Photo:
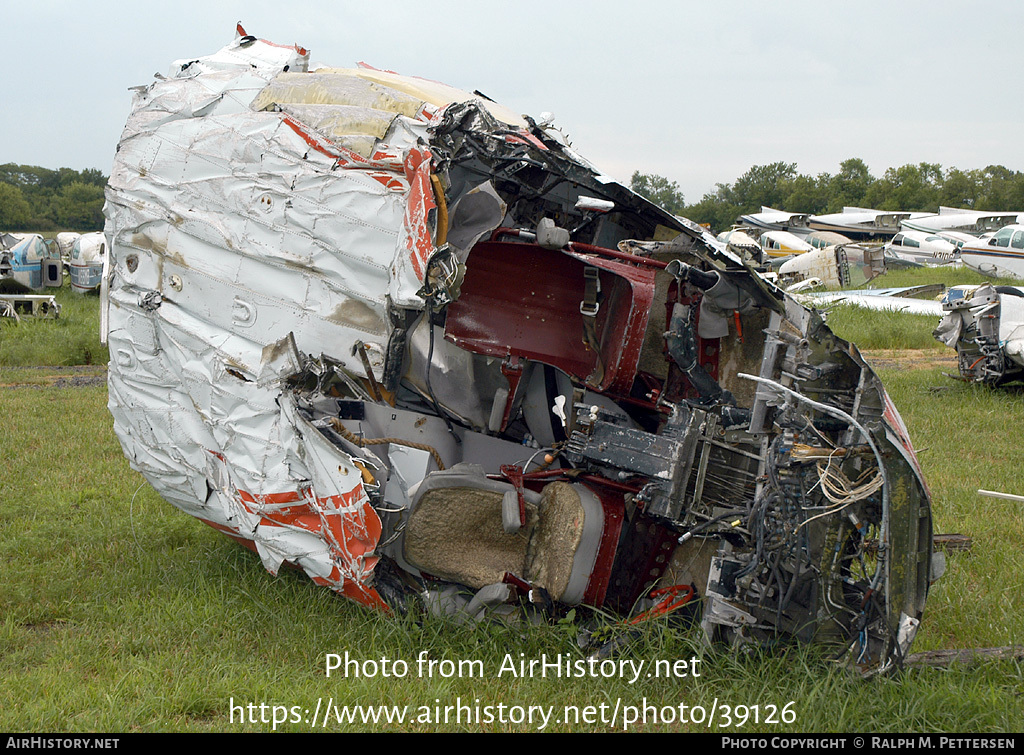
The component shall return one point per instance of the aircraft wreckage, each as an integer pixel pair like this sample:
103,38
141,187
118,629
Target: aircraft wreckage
985,324
406,340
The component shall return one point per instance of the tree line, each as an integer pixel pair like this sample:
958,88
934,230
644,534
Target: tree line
40,199
922,187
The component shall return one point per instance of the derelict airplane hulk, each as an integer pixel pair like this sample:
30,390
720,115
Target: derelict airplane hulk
407,340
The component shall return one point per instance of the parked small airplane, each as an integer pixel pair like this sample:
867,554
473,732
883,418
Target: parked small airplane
65,240
985,324
783,244
974,222
859,222
743,245
86,264
776,220
30,263
1001,255
834,266
922,248
823,239
957,238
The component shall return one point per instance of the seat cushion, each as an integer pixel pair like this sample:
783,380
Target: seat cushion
456,534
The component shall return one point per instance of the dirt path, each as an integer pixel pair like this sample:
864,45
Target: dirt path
911,359
78,376
87,375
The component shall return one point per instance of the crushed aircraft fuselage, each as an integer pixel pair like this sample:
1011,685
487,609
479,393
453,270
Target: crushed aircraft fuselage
985,324
26,260
410,342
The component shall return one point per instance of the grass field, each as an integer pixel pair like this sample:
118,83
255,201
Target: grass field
71,339
119,613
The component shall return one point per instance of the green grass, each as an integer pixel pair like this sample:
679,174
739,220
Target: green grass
71,339
122,614
947,276
969,439
871,329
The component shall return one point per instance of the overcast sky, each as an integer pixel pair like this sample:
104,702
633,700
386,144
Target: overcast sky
695,91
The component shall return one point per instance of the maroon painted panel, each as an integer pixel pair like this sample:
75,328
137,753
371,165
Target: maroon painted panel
614,512
523,300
